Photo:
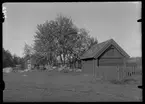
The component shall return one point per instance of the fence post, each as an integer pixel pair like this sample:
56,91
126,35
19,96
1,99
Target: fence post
134,69
118,73
122,73
93,69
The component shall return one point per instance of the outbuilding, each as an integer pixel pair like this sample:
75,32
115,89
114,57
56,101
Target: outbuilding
107,53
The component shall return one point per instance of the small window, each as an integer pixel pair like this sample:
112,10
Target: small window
112,47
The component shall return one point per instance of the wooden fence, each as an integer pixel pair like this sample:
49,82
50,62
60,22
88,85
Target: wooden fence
116,73
126,72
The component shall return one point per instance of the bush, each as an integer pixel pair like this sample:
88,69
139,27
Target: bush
78,70
7,69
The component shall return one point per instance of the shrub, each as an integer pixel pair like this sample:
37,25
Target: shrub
125,81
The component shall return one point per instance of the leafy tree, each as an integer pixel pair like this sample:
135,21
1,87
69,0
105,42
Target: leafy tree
61,38
15,60
83,42
28,50
51,38
10,60
7,59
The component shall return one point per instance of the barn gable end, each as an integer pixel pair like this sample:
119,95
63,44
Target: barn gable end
107,53
111,52
111,57
113,44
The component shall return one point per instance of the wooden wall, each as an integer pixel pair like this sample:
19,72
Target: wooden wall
111,62
87,66
111,57
107,72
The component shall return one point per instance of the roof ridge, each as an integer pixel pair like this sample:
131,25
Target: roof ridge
96,47
106,40
93,48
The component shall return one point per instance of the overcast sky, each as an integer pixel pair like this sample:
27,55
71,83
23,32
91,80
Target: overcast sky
103,20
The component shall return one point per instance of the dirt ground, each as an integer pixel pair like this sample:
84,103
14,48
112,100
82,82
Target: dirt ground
59,87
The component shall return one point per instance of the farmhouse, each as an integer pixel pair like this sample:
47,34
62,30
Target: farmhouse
107,53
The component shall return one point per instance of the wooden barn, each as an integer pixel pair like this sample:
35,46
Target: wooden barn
107,53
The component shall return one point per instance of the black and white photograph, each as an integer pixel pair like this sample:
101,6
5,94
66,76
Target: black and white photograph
72,52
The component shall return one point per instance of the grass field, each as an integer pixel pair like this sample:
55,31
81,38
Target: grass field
66,87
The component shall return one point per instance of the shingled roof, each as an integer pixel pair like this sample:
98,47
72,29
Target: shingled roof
98,48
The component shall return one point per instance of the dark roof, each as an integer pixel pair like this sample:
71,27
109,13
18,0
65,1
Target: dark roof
96,49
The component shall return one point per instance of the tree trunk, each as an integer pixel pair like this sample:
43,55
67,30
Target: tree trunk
61,59
64,58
